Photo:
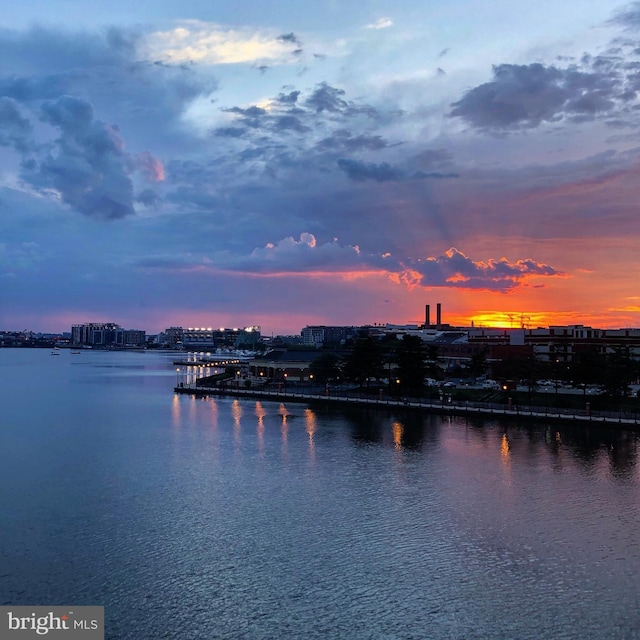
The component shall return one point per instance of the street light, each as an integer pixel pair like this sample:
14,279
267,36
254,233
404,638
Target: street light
177,377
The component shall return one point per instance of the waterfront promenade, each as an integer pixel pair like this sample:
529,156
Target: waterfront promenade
443,406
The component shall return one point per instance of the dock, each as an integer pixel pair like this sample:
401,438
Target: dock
480,409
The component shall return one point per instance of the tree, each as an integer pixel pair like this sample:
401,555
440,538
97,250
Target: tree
519,366
620,372
325,368
433,361
411,359
478,364
365,361
587,367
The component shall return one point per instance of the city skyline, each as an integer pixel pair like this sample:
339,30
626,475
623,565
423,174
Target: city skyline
291,165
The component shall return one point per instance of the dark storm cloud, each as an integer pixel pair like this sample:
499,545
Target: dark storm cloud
290,38
289,123
250,112
15,130
148,198
288,98
104,68
230,132
324,109
384,172
327,98
524,96
69,113
88,165
26,89
344,140
330,100
361,171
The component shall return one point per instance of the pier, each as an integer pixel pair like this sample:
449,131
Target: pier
443,406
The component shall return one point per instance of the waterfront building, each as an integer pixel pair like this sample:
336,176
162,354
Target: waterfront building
204,338
106,335
283,365
171,338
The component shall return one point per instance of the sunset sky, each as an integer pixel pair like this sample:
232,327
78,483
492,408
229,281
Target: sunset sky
281,163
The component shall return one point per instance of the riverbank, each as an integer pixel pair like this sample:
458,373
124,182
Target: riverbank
443,406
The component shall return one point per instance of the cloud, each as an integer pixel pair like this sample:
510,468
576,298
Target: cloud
305,255
151,167
148,198
107,69
211,43
628,17
290,38
327,98
15,130
525,96
296,256
380,23
345,140
88,167
361,171
288,98
384,172
455,269
15,257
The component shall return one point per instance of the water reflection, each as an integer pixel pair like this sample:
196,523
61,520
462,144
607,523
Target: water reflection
284,432
260,414
505,457
310,422
236,413
595,449
213,414
284,414
504,448
397,430
175,411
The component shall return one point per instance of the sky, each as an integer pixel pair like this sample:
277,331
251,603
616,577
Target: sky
281,163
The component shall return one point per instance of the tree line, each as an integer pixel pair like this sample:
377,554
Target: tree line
406,364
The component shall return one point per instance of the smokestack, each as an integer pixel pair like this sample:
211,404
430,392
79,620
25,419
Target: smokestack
427,317
438,315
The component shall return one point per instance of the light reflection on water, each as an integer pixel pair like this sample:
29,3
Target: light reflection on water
224,518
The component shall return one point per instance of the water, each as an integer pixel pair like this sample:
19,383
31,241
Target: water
204,519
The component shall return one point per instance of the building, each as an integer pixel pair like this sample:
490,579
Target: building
171,338
319,335
206,338
282,365
106,335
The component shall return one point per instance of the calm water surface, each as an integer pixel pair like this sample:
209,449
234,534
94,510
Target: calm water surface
204,519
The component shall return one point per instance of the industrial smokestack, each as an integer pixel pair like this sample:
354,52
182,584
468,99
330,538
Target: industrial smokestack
438,315
427,317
